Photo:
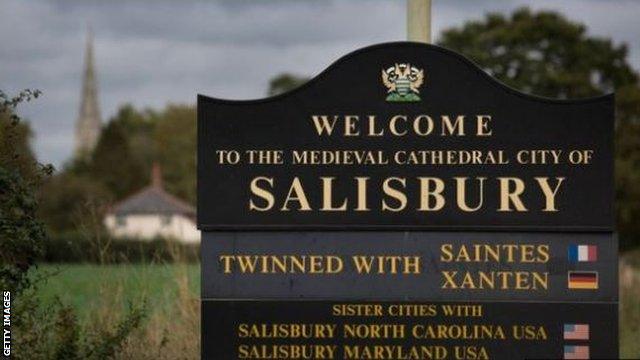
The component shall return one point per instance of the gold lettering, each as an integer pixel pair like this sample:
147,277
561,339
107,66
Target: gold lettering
419,120
323,124
327,191
394,193
448,126
262,193
393,127
510,195
461,192
483,125
550,195
350,125
299,196
427,193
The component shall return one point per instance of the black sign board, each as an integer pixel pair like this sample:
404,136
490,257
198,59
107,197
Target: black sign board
405,177
465,152
408,330
442,266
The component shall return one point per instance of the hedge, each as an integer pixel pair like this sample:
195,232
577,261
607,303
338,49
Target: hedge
77,248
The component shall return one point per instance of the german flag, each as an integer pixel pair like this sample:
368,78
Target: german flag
583,280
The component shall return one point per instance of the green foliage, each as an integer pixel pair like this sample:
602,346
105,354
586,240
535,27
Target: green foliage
67,333
79,248
53,332
114,164
121,163
175,139
15,149
138,127
68,199
15,137
285,82
104,344
21,234
102,294
627,166
41,331
545,54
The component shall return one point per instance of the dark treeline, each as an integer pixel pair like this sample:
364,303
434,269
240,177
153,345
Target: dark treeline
74,200
75,248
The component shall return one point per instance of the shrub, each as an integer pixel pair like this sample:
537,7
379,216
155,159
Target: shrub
41,331
78,248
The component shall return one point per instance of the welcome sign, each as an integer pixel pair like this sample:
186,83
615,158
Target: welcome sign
405,205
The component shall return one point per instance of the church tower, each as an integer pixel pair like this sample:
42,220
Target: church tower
88,124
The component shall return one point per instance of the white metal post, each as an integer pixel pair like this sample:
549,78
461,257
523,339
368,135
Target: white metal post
419,20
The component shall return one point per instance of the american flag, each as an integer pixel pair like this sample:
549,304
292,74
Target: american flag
576,331
576,352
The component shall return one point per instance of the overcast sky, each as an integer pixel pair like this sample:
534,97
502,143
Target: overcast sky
150,53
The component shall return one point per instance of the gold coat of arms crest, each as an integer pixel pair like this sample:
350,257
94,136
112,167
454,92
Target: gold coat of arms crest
403,82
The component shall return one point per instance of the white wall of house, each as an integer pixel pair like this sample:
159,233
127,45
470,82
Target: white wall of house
151,226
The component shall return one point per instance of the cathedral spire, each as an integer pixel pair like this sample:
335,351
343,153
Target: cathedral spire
88,123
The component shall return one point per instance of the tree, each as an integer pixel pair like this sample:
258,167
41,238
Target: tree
139,127
114,164
175,139
41,330
15,146
285,82
67,198
627,166
121,163
545,54
21,234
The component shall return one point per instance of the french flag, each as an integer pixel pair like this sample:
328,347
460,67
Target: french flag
583,253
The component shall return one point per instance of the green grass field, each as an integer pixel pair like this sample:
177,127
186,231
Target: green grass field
89,287
86,286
